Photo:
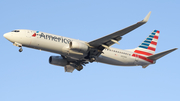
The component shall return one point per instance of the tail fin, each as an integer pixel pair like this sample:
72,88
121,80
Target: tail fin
148,46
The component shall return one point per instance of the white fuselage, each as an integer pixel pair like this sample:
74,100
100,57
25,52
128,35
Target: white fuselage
60,45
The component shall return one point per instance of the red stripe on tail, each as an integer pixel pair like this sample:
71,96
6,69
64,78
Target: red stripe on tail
158,32
141,52
154,43
151,48
156,37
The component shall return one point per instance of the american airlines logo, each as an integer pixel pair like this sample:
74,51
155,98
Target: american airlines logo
52,38
34,35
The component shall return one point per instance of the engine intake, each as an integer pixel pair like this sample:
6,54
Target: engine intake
78,46
58,60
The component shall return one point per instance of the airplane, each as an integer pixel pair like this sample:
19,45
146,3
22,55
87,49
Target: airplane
74,54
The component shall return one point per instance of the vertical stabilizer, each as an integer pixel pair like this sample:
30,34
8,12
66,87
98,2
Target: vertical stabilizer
148,46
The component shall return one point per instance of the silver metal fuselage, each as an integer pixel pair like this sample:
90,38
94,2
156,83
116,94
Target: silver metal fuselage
60,45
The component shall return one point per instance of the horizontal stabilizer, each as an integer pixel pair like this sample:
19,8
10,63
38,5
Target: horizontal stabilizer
159,55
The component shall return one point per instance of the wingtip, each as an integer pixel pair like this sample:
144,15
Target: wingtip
147,17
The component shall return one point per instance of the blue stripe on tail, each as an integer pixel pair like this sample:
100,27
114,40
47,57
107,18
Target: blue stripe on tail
145,44
153,33
147,41
143,47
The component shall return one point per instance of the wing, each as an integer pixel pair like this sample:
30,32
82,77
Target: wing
107,41
99,44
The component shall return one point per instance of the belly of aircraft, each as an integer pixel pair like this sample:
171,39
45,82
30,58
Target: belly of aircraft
116,60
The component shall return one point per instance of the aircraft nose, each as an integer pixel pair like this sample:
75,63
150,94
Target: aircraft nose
5,35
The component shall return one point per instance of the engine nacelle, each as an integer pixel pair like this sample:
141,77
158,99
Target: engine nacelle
78,46
58,60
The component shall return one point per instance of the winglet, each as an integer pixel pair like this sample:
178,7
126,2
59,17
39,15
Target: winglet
147,17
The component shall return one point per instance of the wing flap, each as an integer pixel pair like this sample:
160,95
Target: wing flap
69,68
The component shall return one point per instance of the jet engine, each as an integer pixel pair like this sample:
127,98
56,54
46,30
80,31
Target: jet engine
58,60
78,46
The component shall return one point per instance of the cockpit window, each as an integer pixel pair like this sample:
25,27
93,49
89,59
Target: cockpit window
15,31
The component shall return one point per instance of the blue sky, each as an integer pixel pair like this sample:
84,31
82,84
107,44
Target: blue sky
28,76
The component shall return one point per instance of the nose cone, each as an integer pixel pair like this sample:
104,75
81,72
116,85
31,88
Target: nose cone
6,35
